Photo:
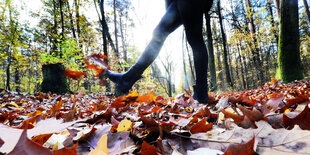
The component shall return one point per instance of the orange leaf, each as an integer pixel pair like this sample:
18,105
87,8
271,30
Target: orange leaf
203,112
66,151
75,75
147,149
241,149
41,139
201,126
253,115
235,117
302,119
296,100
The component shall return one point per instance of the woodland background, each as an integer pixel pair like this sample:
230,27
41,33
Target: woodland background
238,33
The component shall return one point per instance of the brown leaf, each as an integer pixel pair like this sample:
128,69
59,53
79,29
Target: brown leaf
26,146
253,115
303,120
201,126
241,149
41,139
147,149
66,151
272,105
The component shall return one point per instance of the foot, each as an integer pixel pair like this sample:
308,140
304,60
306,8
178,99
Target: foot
201,94
122,81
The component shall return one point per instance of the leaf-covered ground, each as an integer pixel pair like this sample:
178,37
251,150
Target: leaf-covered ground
272,119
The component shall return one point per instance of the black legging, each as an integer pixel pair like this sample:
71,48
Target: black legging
190,14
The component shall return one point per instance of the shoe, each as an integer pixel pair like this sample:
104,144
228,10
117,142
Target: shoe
124,81
201,94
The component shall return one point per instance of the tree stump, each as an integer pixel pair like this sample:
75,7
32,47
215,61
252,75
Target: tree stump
54,79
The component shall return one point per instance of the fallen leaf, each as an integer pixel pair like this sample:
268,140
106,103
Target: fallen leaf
241,149
102,147
26,146
147,149
66,151
303,120
201,126
124,125
41,139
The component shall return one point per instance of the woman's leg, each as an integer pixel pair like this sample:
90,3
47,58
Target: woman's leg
170,21
191,12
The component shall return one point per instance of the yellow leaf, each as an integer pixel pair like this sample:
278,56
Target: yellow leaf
124,125
55,147
102,147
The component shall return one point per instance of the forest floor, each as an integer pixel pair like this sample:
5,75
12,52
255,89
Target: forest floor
272,119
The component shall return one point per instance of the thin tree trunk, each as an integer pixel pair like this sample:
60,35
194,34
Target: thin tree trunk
255,52
190,61
62,19
17,79
104,38
123,40
184,63
77,16
71,20
276,2
226,66
115,29
307,10
54,39
273,25
210,52
241,64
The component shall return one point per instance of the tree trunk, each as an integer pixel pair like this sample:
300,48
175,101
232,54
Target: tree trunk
77,16
54,79
115,29
255,52
307,10
54,39
71,20
123,40
273,25
289,63
184,63
226,66
276,2
17,80
104,33
210,53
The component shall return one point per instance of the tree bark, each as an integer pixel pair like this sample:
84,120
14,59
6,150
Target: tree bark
71,20
255,52
210,53
54,79
115,29
307,10
273,25
277,7
289,62
77,16
226,66
54,39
